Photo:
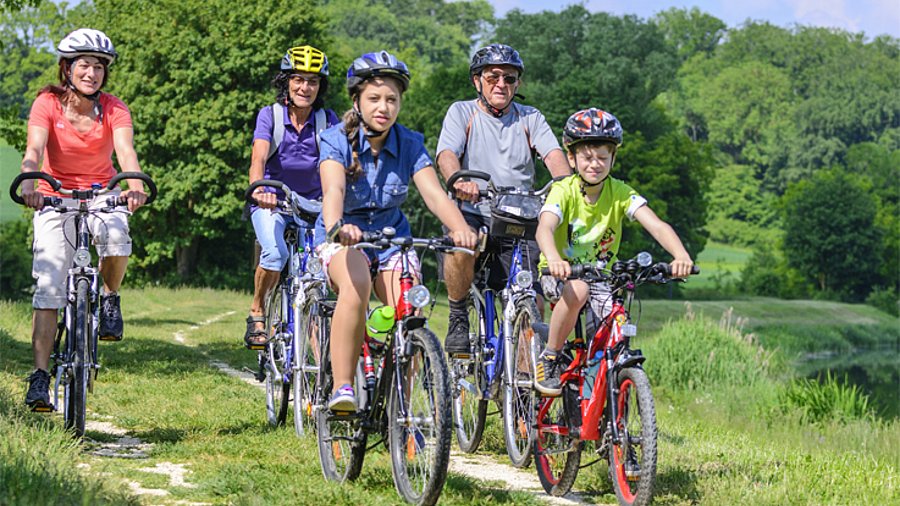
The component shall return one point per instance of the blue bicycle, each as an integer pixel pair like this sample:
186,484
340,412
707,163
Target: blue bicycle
288,364
502,329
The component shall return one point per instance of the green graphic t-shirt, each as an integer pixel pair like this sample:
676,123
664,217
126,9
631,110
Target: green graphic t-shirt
587,231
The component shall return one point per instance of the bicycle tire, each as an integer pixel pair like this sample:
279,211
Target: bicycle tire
420,444
556,457
306,362
341,442
468,383
272,358
79,358
638,433
519,397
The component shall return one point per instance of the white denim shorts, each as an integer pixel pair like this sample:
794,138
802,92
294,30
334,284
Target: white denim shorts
54,246
327,250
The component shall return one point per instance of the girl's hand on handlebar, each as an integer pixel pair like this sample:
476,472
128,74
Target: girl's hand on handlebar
136,198
464,238
466,190
681,267
33,198
559,269
265,200
349,235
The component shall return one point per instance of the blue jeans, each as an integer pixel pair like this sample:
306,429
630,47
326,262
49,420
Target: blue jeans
269,227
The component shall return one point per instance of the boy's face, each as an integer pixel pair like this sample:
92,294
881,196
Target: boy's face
593,161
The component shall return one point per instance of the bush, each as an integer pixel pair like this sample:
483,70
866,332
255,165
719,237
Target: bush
695,353
825,400
885,299
15,259
768,275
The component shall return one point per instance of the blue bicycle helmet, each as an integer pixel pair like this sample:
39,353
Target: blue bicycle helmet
380,64
496,54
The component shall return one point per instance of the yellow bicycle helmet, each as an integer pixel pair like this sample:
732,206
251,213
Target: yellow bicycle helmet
305,59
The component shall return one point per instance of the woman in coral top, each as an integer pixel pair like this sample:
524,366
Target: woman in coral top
72,132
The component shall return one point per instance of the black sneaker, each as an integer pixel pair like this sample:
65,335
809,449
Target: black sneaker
546,374
110,318
457,342
38,396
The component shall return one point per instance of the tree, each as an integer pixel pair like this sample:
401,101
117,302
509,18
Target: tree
690,31
194,74
830,235
740,213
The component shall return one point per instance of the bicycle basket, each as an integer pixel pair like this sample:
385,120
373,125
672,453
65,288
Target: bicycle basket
515,216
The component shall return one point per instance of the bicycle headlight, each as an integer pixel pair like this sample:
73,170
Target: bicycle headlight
644,259
418,296
524,279
314,266
82,257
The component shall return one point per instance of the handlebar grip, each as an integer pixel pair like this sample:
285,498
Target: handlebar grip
271,183
472,174
666,269
371,236
144,178
25,176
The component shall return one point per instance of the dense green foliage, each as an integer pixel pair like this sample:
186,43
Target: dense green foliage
719,122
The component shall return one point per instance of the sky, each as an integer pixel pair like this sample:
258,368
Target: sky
874,17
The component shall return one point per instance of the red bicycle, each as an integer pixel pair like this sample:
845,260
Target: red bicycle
606,396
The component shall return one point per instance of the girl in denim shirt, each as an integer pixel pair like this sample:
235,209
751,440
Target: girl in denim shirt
365,166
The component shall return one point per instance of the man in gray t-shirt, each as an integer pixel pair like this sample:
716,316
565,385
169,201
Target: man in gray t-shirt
492,134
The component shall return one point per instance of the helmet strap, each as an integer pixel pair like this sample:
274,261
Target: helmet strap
487,105
93,97
368,131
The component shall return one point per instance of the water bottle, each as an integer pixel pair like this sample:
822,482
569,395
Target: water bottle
380,323
590,374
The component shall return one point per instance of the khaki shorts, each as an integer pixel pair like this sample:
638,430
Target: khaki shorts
54,246
599,301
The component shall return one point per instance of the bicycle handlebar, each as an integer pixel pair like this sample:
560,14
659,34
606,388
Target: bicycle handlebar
623,270
491,189
306,208
385,239
80,194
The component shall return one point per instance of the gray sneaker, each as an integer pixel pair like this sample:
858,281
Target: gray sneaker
38,395
546,374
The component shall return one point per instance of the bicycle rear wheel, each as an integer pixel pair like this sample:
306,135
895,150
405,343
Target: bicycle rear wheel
556,456
468,384
313,329
78,356
419,421
341,440
272,359
632,460
519,397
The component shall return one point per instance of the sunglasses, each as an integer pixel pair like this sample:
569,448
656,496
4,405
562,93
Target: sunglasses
297,79
493,79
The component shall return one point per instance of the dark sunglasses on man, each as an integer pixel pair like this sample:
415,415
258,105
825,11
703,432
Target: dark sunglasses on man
493,79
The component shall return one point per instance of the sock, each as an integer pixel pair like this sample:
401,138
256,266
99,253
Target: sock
457,305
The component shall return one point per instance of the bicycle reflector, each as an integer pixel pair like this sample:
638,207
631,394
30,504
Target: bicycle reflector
524,279
314,266
82,257
418,296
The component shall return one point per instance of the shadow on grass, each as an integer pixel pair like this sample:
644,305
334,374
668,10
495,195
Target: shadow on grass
680,482
16,355
471,490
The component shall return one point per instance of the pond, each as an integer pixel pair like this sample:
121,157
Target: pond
876,372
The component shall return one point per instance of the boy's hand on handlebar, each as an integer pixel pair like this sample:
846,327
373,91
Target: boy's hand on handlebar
136,198
33,198
265,200
464,238
466,190
349,235
681,268
559,269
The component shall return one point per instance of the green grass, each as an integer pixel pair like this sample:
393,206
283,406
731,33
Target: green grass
10,161
717,446
718,263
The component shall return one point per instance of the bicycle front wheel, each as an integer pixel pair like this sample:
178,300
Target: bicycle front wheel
272,359
519,397
312,328
420,420
557,456
632,459
468,384
342,442
79,359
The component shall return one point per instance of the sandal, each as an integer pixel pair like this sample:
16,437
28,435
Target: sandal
254,338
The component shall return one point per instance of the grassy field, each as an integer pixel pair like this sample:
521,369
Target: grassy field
166,393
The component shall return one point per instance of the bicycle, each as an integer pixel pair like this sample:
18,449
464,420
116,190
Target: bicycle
402,390
504,350
606,395
77,365
286,363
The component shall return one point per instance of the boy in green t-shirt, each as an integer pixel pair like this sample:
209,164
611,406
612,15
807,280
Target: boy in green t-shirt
582,221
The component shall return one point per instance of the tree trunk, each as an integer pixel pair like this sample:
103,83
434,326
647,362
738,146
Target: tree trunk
186,258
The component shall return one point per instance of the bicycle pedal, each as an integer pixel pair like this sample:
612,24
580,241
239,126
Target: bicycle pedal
42,408
256,347
109,339
461,356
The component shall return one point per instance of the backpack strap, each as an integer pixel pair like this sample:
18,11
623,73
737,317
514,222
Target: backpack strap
277,129
321,124
518,118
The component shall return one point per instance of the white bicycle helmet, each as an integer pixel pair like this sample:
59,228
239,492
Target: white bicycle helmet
87,42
